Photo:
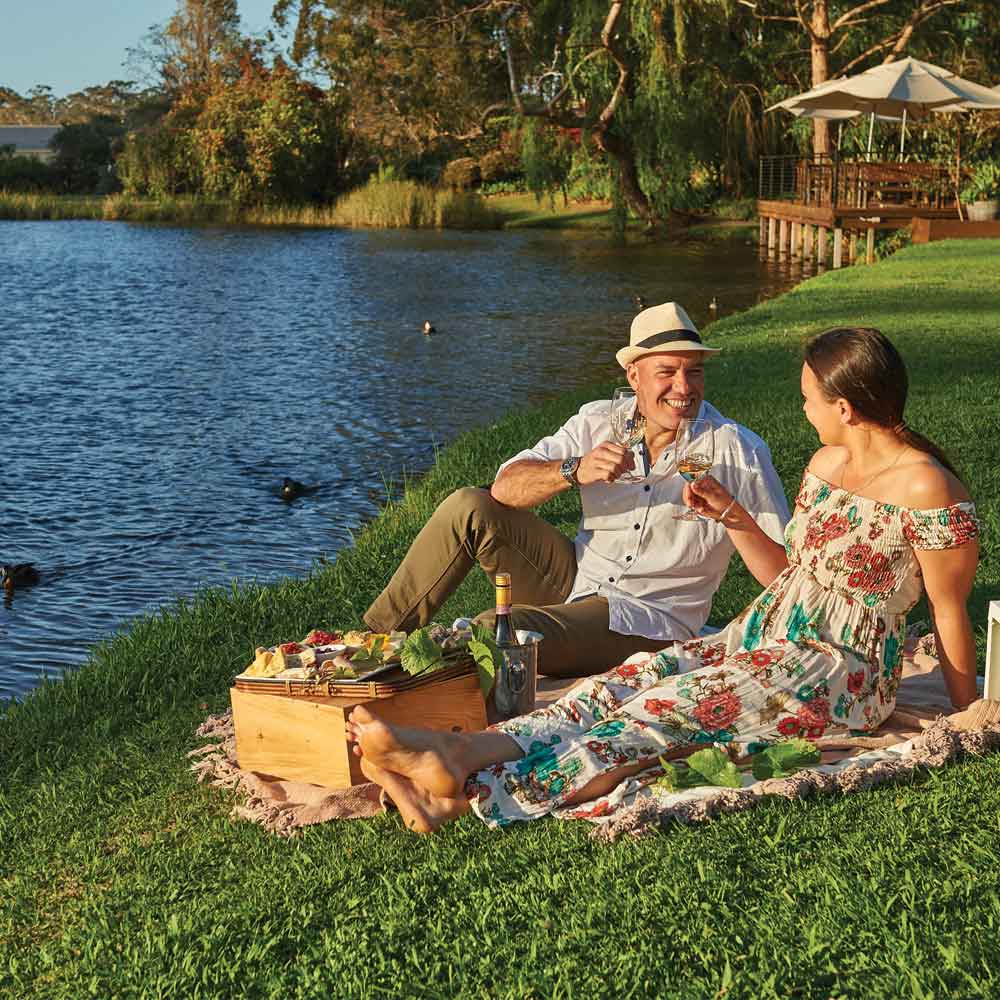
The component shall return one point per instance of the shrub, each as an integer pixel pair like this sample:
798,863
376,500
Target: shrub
497,165
461,174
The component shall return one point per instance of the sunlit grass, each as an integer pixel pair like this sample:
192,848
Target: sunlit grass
121,877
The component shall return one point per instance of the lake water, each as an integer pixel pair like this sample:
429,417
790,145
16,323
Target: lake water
158,383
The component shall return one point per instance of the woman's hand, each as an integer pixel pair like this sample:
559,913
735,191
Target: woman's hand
708,497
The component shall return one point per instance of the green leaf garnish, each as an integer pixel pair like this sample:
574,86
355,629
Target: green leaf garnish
714,768
782,759
483,649
420,652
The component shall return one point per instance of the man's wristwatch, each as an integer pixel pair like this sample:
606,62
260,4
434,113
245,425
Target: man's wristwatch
568,470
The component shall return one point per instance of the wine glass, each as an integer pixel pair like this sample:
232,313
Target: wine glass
694,452
627,425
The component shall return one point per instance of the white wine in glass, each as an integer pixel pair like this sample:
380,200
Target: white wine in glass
627,425
694,450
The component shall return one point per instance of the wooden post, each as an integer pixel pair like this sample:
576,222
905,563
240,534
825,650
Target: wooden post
807,242
771,235
870,247
782,237
762,238
838,247
821,246
796,247
852,248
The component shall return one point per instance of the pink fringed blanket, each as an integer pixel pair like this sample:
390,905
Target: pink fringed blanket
283,807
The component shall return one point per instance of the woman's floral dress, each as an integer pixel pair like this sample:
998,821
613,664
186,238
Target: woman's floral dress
820,647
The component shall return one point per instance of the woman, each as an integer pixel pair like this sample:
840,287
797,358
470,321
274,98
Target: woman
880,513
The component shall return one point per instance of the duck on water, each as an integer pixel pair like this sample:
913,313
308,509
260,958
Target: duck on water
16,575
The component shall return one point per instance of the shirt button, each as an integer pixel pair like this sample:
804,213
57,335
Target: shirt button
636,526
611,579
628,559
646,487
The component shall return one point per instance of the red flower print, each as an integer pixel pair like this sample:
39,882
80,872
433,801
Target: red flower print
659,706
835,526
855,681
761,658
857,555
628,670
713,656
856,579
717,711
814,713
815,732
789,726
878,562
964,528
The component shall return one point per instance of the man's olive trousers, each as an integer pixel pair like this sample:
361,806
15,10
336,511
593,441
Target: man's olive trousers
470,527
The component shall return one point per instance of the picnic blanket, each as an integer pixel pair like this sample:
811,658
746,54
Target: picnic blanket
919,733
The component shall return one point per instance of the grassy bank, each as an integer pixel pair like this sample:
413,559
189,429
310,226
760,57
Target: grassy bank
386,204
119,877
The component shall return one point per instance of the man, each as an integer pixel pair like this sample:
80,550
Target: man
635,576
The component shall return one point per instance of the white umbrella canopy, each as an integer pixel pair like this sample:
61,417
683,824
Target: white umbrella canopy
906,85
905,88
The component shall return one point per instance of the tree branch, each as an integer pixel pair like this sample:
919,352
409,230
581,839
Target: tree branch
842,21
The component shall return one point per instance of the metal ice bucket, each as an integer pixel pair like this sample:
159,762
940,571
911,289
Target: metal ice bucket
514,685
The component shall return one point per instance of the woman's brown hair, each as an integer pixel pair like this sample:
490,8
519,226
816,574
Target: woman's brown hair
861,365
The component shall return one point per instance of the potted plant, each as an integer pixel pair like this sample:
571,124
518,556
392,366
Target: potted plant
982,192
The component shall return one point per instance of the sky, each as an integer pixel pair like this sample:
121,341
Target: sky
70,45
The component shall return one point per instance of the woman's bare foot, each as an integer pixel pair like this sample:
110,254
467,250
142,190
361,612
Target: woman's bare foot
436,761
422,812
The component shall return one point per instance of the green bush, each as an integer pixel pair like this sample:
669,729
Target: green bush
25,173
461,174
983,183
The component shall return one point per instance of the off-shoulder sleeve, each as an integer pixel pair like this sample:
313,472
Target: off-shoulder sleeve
943,528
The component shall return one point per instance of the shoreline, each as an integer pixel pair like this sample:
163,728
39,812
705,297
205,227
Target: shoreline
516,211
123,873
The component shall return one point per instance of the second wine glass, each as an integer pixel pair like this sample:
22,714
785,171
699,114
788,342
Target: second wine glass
694,450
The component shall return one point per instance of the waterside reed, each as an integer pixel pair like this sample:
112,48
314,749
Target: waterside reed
381,204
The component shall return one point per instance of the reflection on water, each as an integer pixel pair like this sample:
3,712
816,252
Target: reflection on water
159,383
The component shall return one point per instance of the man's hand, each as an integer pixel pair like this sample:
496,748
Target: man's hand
605,464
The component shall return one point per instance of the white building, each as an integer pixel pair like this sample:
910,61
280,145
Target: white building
29,140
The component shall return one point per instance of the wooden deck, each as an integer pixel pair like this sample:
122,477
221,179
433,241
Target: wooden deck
806,199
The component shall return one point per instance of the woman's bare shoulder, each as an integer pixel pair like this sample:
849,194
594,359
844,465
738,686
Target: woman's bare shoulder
827,462
925,484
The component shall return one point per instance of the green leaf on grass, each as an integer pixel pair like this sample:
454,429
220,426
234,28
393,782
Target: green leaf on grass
782,759
420,653
484,651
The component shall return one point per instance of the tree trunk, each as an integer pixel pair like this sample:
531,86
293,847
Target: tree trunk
620,150
820,51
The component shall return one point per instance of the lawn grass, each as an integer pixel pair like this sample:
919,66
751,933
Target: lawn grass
120,877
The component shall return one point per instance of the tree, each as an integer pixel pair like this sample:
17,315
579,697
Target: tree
856,31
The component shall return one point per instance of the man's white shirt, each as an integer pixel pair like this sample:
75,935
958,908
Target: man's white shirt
657,573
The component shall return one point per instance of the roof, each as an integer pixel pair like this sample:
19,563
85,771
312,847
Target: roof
27,138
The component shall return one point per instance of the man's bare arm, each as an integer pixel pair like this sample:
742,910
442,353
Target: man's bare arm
530,482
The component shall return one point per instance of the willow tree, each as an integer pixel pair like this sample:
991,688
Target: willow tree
640,79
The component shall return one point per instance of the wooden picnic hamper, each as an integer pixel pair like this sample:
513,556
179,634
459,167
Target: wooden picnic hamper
294,729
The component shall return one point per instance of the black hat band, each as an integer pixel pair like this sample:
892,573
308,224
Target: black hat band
669,337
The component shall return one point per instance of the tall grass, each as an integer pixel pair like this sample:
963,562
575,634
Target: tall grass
384,204
394,204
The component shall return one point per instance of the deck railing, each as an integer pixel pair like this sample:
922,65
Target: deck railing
829,181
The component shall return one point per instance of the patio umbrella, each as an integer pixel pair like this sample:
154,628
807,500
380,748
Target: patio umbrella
901,89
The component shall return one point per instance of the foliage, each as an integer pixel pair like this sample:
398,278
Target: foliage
24,173
264,137
83,162
461,174
983,183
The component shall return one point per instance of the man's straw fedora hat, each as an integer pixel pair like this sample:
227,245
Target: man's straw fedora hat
664,329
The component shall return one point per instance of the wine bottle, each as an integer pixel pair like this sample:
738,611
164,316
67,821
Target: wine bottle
503,633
